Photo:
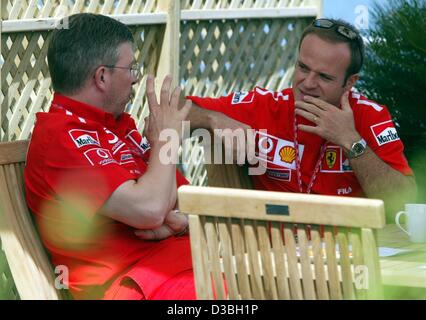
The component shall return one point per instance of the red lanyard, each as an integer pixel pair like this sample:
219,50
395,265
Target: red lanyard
298,165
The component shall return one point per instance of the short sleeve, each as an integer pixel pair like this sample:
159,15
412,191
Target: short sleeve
375,125
239,105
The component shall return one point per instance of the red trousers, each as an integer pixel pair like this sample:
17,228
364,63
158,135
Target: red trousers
180,287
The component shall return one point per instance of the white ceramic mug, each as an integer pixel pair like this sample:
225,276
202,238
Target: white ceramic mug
415,222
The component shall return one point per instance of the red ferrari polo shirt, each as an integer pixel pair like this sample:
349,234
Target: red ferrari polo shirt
274,112
77,157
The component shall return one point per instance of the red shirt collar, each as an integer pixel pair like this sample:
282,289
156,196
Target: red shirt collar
86,111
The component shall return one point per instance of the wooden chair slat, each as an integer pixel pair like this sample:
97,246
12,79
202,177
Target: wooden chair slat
332,267
240,259
251,243
292,260
371,260
305,262
200,259
226,254
345,265
214,258
358,260
319,264
269,282
280,261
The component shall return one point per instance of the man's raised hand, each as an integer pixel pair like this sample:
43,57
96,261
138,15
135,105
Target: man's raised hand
165,113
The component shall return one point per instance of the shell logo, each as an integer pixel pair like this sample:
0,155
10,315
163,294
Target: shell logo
287,154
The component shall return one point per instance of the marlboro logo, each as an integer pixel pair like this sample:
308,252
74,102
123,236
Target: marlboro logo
384,132
83,138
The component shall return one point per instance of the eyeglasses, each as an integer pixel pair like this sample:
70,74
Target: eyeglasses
134,69
340,29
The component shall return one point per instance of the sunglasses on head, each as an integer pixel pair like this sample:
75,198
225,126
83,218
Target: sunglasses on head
342,30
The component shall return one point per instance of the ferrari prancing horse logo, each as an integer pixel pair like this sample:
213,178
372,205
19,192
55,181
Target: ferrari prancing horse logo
330,158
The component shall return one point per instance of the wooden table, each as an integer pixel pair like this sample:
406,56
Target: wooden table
404,269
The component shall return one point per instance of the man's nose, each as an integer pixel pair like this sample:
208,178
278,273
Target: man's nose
310,81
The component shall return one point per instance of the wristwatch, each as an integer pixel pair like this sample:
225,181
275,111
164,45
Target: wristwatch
357,149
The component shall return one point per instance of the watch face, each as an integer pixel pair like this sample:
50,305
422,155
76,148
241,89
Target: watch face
358,148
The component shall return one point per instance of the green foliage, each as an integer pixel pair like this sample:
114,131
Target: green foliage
395,64
395,74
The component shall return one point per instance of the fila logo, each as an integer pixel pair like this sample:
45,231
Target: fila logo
83,138
385,132
344,191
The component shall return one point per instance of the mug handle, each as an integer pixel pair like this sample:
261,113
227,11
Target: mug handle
398,215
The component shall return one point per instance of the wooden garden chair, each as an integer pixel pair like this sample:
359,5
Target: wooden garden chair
274,245
29,264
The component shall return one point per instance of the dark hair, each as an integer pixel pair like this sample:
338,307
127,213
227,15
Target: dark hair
88,41
356,46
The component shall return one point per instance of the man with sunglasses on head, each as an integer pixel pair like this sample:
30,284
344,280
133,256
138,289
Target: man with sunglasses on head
98,189
322,137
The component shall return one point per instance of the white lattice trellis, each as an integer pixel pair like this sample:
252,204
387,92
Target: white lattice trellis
30,9
238,4
219,57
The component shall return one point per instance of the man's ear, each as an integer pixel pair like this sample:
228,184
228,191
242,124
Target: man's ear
350,82
100,78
